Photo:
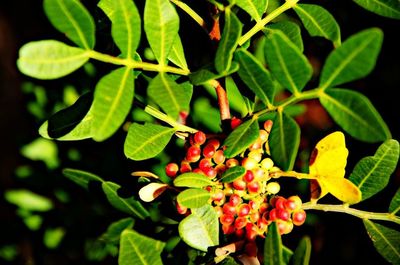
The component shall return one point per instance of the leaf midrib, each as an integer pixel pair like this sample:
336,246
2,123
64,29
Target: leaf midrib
149,140
314,22
383,237
380,160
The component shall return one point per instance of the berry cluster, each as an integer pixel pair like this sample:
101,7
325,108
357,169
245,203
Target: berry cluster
247,205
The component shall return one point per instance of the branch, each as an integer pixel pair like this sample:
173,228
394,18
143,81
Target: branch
223,102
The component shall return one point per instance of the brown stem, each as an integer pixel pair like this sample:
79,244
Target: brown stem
223,102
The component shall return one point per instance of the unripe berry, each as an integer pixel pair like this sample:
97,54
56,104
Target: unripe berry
209,150
171,169
267,163
248,176
240,222
239,184
218,195
249,163
253,187
273,187
218,209
219,157
199,138
293,203
231,162
193,154
226,219
243,210
254,217
263,136
256,155
256,145
284,227
235,200
299,217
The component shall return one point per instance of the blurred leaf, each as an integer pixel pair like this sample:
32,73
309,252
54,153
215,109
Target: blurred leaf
372,173
50,59
170,96
71,18
52,237
146,141
233,173
290,29
127,205
161,24
255,76
241,138
255,8
177,55
200,229
114,230
355,114
302,253
273,246
27,200
235,98
139,249
354,59
82,178
229,40
386,8
33,222
288,65
112,102
8,252
193,180
284,141
206,114
394,207
42,150
125,28
202,76
193,198
286,254
319,22
386,240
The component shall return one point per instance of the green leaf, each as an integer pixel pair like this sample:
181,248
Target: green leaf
193,180
302,253
255,8
319,22
161,24
284,141
255,76
114,230
288,65
204,75
27,200
229,40
200,229
177,55
50,59
71,18
125,27
170,96
372,173
354,59
193,198
386,8
113,97
53,236
241,138
273,246
235,98
42,150
355,114
386,240
232,173
290,29
139,249
127,205
394,206
206,114
146,141
82,178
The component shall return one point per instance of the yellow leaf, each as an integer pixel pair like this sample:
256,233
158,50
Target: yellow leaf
327,164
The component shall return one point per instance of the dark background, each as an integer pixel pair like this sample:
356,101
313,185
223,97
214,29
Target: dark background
337,238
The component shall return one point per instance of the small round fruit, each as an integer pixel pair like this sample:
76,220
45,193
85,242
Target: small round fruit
293,203
273,187
240,222
283,214
239,184
229,209
267,163
171,169
268,125
199,138
299,217
226,219
210,172
209,150
249,163
193,154
243,210
219,157
235,200
235,122
253,187
248,176
231,162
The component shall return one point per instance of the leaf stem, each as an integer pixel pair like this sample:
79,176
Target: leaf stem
134,64
261,24
341,208
223,102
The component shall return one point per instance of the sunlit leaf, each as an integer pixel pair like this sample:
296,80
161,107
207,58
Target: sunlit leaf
50,59
386,8
235,98
169,95
319,22
288,65
273,246
255,8
72,19
193,197
161,24
193,180
28,200
200,229
355,114
146,141
302,253
386,240
113,99
139,249
42,150
394,206
229,40
372,173
52,237
232,173
354,59
284,141
241,138
255,76
330,176
80,177
151,191
177,55
127,205
290,29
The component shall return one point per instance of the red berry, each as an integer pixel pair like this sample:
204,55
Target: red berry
263,207
273,215
283,214
226,219
185,167
209,151
204,163
280,203
251,232
244,209
240,222
293,203
248,176
235,122
198,171
239,184
199,138
235,200
229,209
193,154
214,142
268,125
181,209
171,169
239,233
228,229
221,168
299,217
253,187
210,172
218,195
219,157
231,162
